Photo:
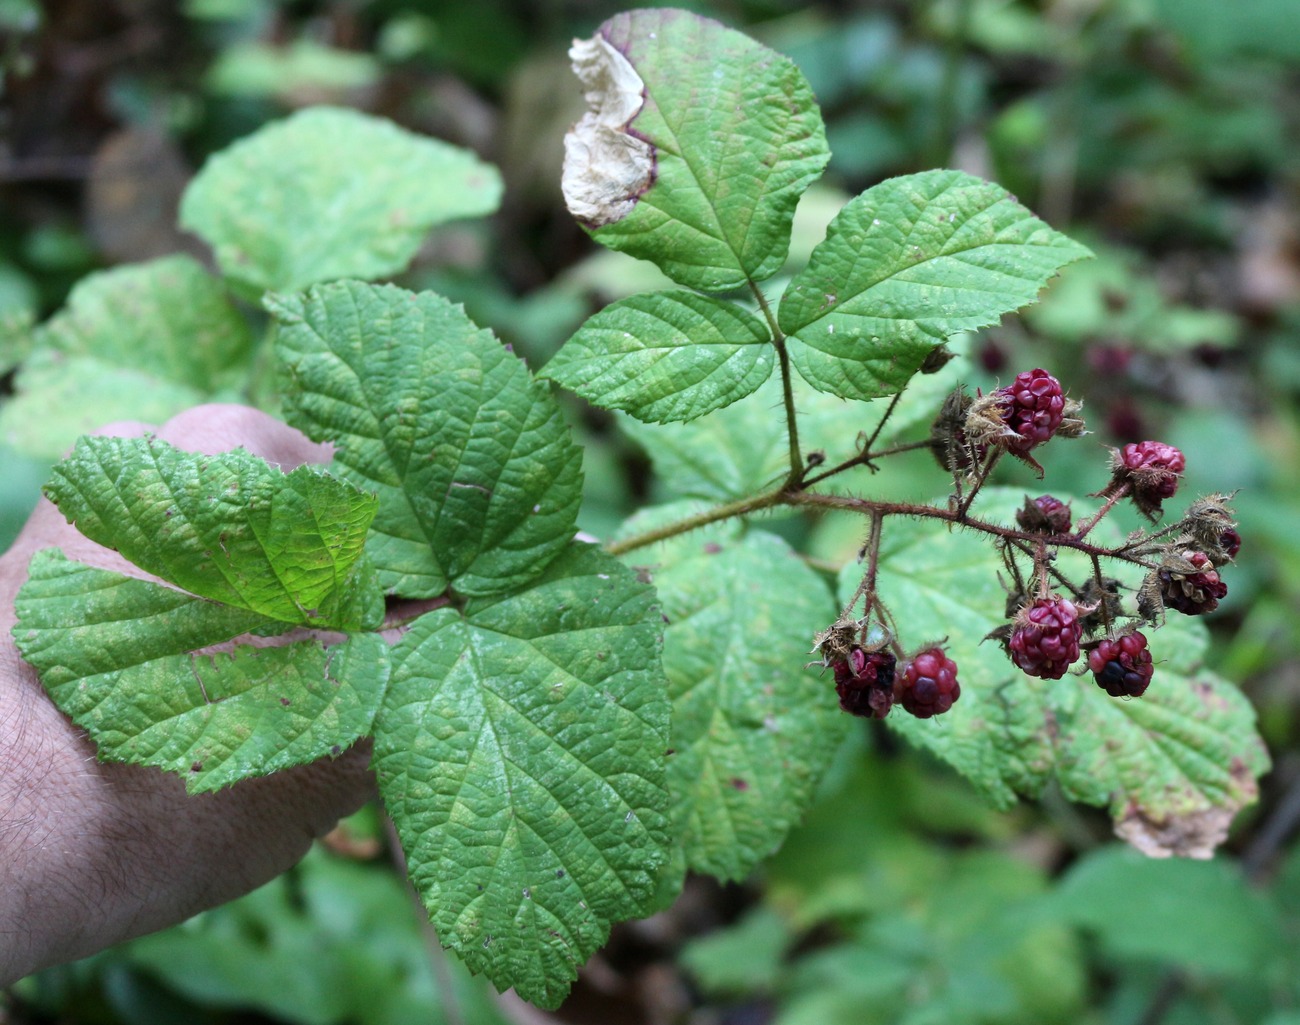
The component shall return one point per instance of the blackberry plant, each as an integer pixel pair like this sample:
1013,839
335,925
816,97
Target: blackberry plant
562,729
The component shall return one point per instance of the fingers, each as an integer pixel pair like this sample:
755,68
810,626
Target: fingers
220,427
210,429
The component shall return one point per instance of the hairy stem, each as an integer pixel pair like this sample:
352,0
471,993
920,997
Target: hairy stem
866,458
985,471
1096,517
787,386
722,512
866,507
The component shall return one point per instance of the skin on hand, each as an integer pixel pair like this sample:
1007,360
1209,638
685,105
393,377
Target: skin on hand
93,853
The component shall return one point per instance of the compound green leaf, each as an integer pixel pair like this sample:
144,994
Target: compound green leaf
330,193
665,356
753,732
697,148
1173,767
140,342
478,479
231,527
906,265
125,659
520,752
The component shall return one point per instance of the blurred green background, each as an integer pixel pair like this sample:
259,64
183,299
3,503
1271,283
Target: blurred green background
1163,133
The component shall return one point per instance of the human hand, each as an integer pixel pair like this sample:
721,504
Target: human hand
93,853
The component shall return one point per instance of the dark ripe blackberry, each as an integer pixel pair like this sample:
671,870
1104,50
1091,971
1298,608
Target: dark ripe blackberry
1190,584
1045,637
1032,406
927,686
865,682
1122,665
1044,515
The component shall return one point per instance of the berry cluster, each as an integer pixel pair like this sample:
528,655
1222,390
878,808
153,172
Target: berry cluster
869,682
1044,638
1054,623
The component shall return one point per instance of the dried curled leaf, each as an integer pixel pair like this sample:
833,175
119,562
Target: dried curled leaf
606,168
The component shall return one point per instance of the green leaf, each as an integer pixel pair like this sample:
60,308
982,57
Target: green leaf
16,327
305,66
743,959
330,193
753,731
123,658
666,356
906,265
520,751
698,145
1173,767
1190,914
140,342
231,528
478,479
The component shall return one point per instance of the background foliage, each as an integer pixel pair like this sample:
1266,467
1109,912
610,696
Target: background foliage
1163,133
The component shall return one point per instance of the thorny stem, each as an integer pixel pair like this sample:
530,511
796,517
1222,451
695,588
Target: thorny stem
740,507
868,585
787,387
985,471
1101,590
1096,517
865,458
873,551
1041,569
1048,568
798,498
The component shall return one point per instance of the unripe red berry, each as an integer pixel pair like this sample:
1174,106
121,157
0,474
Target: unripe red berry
865,682
1150,470
1190,584
1122,665
1044,515
1032,406
1157,465
927,685
1230,542
1045,637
